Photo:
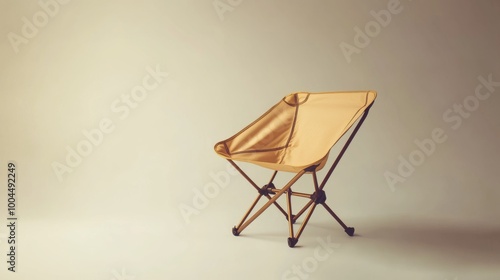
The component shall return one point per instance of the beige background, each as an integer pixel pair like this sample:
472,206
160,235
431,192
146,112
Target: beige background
116,215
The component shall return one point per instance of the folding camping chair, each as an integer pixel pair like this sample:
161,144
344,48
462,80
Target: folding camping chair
296,135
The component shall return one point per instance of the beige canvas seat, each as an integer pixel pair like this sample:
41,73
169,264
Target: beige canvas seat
296,135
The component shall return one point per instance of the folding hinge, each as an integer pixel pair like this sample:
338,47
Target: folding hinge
319,197
267,189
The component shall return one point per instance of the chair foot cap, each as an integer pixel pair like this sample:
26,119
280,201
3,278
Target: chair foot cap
349,231
292,242
235,231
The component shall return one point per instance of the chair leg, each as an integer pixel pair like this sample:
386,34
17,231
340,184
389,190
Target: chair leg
262,191
315,199
235,229
302,227
244,224
348,230
318,197
290,215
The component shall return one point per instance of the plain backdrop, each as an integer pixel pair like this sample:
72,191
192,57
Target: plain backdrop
117,212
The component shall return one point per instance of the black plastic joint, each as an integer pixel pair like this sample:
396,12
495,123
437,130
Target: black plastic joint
319,197
267,189
311,168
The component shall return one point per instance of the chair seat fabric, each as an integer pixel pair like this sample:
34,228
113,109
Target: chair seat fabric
297,132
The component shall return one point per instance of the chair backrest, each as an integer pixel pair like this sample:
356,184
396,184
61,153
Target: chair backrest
300,130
